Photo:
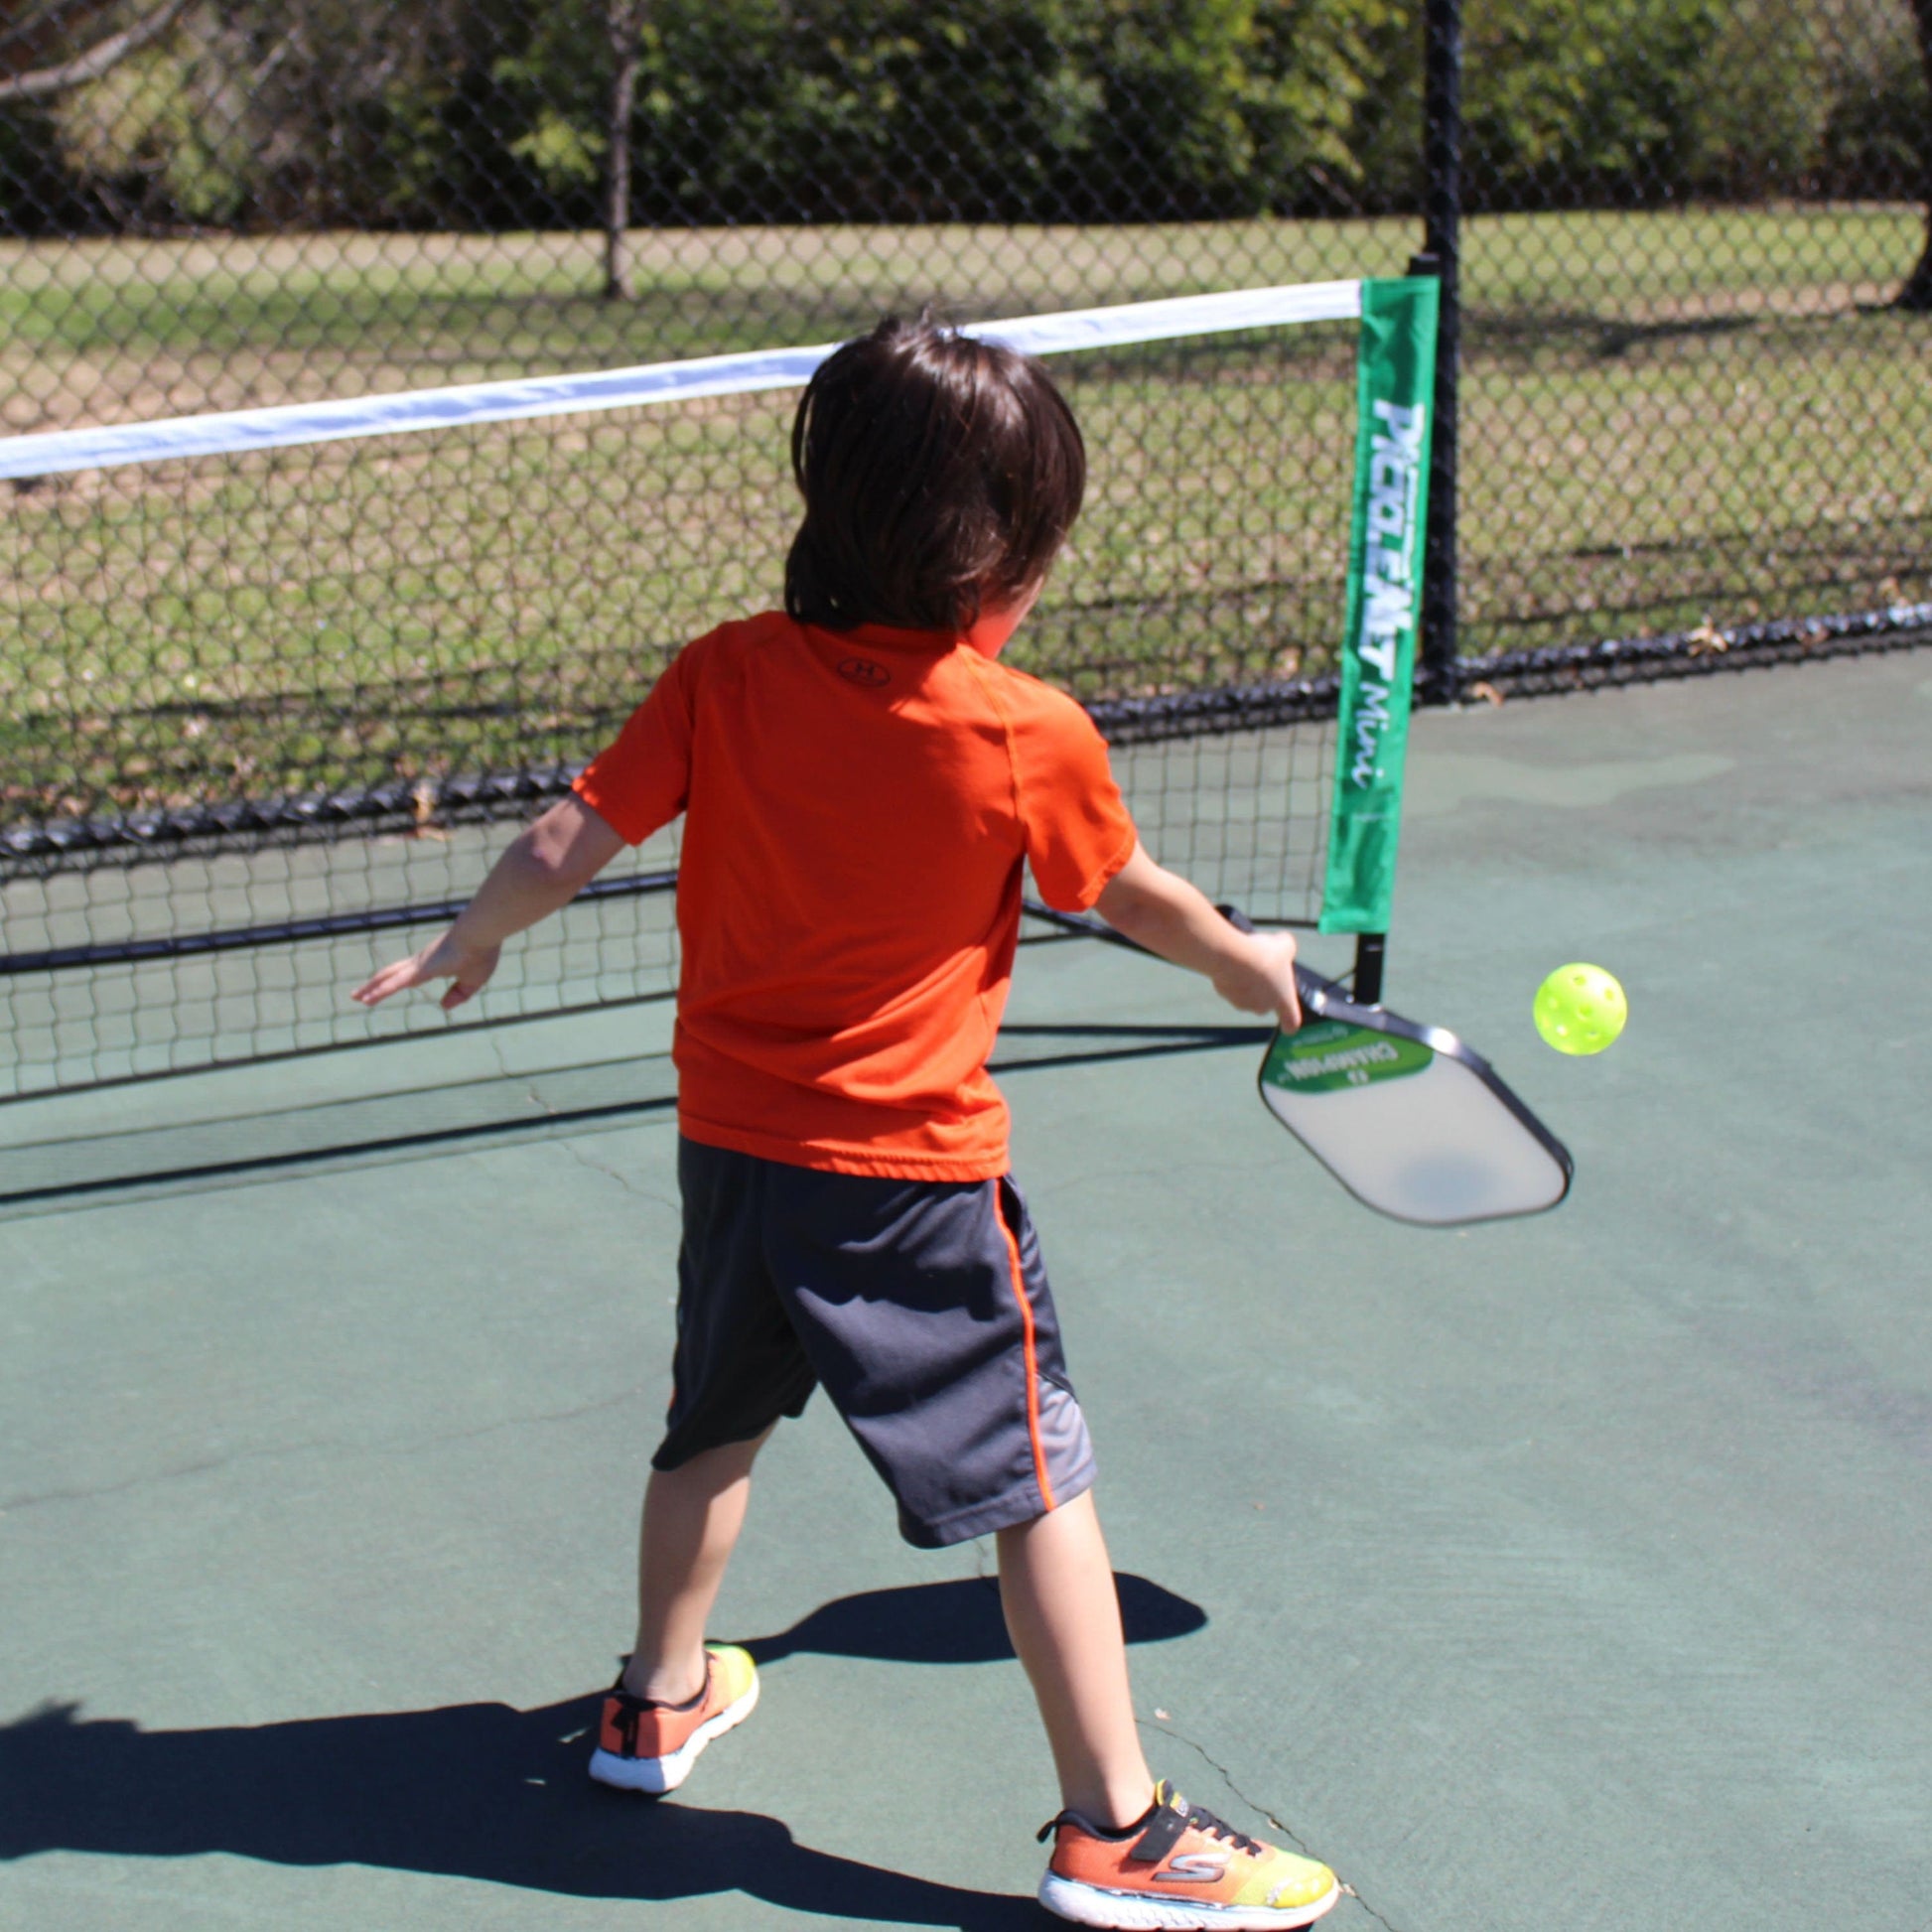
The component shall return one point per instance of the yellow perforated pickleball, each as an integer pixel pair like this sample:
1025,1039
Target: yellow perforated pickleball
1579,1009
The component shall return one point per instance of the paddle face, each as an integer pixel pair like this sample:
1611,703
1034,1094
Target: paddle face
1412,1121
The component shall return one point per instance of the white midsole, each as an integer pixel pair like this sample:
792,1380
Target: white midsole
660,1774
1135,1912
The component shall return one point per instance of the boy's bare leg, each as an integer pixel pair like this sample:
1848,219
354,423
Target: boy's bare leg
692,1517
1063,1614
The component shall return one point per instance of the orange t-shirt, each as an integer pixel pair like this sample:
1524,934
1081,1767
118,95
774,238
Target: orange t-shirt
859,806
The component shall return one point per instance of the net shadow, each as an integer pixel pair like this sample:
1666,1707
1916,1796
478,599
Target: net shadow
422,1121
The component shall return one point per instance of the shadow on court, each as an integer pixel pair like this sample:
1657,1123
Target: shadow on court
486,1792
473,1791
1559,1575
957,1622
422,1122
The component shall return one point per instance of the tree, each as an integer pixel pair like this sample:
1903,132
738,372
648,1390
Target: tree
624,23
43,83
1916,295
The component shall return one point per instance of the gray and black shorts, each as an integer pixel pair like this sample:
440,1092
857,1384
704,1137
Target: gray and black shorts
922,1307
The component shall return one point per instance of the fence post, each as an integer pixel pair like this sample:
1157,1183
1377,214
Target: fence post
1438,673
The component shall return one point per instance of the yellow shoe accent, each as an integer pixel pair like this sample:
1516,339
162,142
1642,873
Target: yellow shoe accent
736,1673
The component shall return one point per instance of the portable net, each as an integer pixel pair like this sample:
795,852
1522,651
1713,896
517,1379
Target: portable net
284,682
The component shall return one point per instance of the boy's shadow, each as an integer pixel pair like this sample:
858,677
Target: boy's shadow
483,1791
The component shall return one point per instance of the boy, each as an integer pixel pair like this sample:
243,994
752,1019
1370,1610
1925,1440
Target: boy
861,782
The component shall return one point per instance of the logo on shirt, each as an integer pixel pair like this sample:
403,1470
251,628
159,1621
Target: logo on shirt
861,670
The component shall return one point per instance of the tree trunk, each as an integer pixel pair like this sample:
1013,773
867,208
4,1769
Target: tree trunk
623,22
98,58
1917,292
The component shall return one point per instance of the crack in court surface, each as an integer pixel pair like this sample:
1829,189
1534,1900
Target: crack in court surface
569,1144
630,1186
397,1446
1275,1821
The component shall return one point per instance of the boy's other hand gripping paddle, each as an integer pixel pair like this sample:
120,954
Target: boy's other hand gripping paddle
1412,1121
1579,1009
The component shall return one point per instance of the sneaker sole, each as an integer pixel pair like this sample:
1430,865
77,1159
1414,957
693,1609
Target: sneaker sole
1135,1912
658,1775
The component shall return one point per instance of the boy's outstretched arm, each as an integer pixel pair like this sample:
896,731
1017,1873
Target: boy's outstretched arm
1161,910
543,871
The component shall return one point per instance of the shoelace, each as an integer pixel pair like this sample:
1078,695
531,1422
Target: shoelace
631,1710
1189,1815
1205,1821
628,1716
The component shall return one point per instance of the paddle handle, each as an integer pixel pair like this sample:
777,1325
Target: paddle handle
1317,992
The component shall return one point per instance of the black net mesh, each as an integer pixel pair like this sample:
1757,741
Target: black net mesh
320,686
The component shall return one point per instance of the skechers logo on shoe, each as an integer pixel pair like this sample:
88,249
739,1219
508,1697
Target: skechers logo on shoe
1193,1869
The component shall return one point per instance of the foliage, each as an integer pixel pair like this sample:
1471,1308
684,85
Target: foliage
1880,121
1757,101
893,109
172,127
1641,100
494,114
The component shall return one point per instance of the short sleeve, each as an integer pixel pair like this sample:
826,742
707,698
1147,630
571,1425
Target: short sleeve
641,783
1078,830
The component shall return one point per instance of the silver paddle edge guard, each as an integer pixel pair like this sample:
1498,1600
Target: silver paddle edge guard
1325,999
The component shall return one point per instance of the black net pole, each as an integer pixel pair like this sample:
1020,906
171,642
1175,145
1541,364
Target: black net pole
1437,678
1365,983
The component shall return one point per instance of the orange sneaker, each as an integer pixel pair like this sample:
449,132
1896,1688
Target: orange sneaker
1178,1866
652,1746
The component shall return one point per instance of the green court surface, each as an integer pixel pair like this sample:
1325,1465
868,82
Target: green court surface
1552,1575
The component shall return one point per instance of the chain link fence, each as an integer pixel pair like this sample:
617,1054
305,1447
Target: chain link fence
1695,390
1696,266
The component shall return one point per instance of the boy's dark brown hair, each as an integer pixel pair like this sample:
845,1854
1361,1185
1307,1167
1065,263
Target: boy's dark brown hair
940,475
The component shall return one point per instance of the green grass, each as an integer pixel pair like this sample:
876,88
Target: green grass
1667,419
343,615
98,319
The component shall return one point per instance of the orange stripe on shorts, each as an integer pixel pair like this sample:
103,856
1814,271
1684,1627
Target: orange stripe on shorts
1033,1359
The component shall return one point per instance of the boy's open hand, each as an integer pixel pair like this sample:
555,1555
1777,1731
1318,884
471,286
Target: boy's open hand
448,958
539,873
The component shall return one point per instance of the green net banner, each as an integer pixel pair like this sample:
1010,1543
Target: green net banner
1396,390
